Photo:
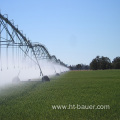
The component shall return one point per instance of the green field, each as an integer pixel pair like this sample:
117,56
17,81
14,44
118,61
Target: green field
34,100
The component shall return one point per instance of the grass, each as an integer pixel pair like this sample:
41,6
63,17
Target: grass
34,100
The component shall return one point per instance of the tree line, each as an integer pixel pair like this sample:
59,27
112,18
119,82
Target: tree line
79,67
99,63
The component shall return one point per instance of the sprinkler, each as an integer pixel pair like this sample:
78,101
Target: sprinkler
19,49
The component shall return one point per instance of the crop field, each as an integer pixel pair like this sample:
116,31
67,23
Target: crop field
75,95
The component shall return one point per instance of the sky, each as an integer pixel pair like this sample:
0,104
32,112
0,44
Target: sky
75,31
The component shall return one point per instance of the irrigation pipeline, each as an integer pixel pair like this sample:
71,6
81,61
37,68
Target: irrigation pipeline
12,37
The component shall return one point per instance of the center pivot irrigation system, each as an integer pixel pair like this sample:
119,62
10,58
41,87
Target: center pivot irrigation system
15,44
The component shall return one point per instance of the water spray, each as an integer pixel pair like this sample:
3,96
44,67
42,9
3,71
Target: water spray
18,47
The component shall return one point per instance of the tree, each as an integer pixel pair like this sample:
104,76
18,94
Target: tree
71,68
116,63
105,63
78,66
100,63
93,65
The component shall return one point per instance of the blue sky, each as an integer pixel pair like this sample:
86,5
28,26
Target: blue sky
75,31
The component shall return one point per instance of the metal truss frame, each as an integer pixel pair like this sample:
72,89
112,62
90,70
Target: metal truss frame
16,40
